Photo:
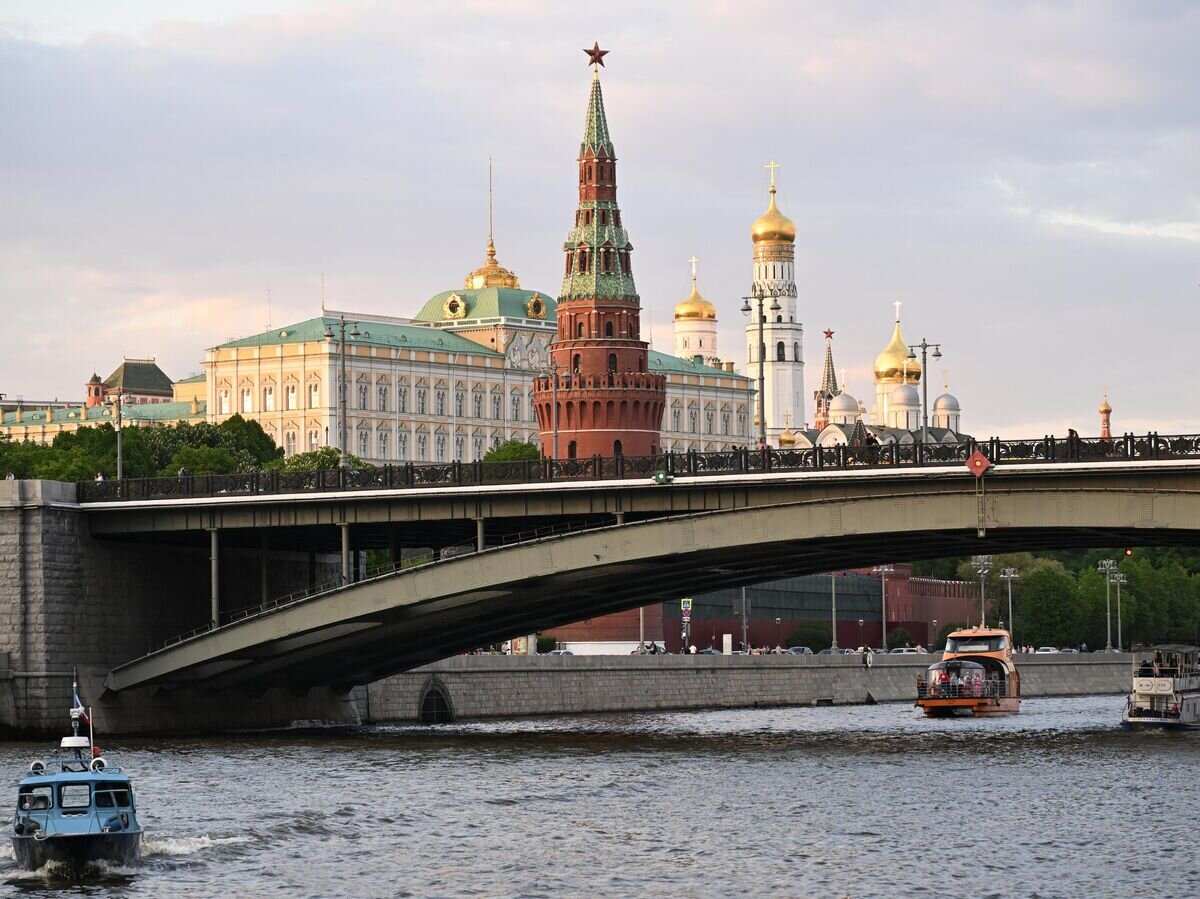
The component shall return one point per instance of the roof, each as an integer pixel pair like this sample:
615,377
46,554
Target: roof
193,379
370,332
489,302
96,415
664,362
139,376
595,125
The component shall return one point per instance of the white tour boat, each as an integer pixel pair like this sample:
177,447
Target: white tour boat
1166,688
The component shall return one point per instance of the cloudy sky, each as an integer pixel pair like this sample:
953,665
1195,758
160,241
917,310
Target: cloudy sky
1023,176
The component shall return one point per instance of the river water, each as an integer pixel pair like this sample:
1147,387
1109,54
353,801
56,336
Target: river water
848,801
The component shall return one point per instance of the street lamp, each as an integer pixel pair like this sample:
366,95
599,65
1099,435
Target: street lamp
935,631
114,402
342,421
778,632
745,622
883,571
1117,578
924,346
860,635
982,564
760,294
1107,567
1010,575
833,608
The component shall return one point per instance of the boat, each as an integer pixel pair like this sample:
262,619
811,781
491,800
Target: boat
75,809
975,676
1166,689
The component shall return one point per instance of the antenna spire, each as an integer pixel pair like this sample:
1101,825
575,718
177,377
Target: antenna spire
489,199
322,293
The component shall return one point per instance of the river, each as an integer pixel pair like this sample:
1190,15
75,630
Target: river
859,801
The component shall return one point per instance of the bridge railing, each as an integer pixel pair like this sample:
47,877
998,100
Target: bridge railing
1049,449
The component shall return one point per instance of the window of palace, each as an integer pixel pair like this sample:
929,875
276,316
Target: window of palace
459,446
314,441
516,407
497,406
381,397
693,420
314,396
477,449
402,399
477,405
676,418
460,402
421,400
382,439
439,402
223,402
290,397
364,443
268,403
364,391
247,400
440,448
402,446
289,443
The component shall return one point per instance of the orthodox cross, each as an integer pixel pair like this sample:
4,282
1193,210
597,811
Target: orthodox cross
772,166
693,261
897,305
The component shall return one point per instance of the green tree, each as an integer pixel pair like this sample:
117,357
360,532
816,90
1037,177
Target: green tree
1051,609
898,637
201,460
512,451
325,458
816,635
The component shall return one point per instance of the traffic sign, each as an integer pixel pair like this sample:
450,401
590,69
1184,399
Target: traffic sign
686,604
686,617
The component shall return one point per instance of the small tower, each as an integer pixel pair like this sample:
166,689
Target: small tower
1105,419
947,413
696,325
893,368
95,391
824,395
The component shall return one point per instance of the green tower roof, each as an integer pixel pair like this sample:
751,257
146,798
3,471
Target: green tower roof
595,126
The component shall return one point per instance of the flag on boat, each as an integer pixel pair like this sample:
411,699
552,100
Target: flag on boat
78,707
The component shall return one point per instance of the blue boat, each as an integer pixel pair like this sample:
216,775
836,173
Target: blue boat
75,809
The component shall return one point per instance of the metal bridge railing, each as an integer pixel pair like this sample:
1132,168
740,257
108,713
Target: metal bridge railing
1049,449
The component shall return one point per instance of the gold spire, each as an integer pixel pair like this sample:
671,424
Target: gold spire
695,306
773,226
893,366
491,273
786,437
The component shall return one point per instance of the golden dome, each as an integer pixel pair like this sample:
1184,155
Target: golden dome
1105,408
773,225
893,365
786,438
491,273
695,306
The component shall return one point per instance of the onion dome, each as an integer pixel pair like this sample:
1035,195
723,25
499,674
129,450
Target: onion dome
695,306
773,226
843,404
786,438
893,365
491,273
947,402
904,395
1105,408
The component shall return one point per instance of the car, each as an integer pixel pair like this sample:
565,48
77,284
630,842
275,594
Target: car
799,651
1045,650
738,652
1070,649
904,651
829,651
560,652
709,652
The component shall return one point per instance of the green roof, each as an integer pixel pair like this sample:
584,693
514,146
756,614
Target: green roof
667,363
488,302
139,376
370,333
595,126
193,379
95,415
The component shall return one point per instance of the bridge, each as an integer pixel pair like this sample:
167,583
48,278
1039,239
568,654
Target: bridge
249,583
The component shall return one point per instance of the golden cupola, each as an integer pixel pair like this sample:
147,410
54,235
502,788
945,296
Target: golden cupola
695,306
773,226
491,273
893,365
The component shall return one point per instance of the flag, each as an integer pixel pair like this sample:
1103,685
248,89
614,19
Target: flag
78,707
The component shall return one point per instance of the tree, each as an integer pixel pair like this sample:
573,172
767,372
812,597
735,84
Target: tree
326,457
1052,609
898,637
513,451
813,634
201,460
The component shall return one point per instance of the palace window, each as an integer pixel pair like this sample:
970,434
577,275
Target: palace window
460,402
421,400
422,447
440,447
693,420
289,397
532,408
708,421
496,441
477,449
725,422
402,446
363,395
477,405
676,418
223,402
741,422
439,402
289,443
314,395
497,406
247,400
382,439
459,446
364,444
381,397
516,407
402,399
268,403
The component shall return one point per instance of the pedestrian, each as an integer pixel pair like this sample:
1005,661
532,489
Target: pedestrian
99,476
10,477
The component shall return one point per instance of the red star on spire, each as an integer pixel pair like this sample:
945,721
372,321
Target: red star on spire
595,55
828,334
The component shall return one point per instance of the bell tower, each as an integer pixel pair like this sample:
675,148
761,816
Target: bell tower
601,399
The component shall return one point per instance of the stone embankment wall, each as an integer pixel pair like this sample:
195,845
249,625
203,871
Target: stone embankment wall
511,686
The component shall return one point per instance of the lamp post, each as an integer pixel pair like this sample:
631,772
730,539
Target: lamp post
1117,578
883,571
760,294
342,420
778,632
833,608
745,623
924,346
554,400
982,564
1107,567
860,635
935,631
115,403
1009,575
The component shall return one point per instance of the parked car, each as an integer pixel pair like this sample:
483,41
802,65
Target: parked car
1069,649
904,651
709,652
829,651
799,651
560,652
1045,650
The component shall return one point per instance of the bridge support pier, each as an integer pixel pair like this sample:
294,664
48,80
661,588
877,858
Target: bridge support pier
345,528
620,517
214,574
262,568
480,535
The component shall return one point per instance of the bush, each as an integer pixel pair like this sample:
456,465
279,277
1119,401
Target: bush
512,451
898,637
545,644
816,635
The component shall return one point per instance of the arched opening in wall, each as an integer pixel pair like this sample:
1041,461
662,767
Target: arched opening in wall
780,352
796,351
435,706
612,362
572,450
579,329
575,360
608,331
616,447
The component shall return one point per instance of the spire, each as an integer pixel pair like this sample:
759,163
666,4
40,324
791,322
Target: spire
829,386
595,126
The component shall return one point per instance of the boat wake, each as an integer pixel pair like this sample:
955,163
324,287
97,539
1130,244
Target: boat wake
175,846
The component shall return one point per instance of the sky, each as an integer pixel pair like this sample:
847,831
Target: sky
1021,176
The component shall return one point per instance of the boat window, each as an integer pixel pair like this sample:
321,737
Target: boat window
74,796
976,644
110,794
35,798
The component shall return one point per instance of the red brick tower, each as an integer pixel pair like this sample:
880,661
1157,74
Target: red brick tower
608,403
